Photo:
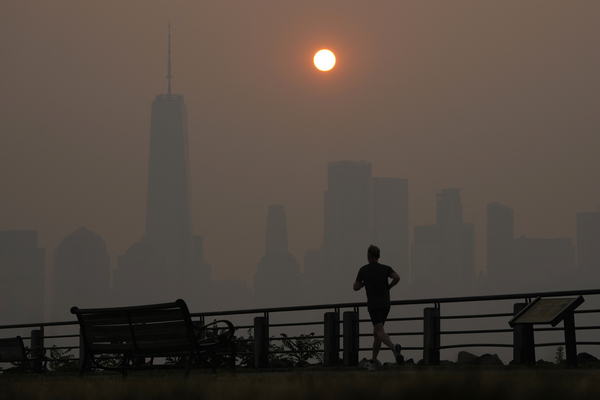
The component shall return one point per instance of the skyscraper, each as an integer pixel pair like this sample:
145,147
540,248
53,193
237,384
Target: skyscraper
443,261
346,233
168,241
81,273
543,264
588,248
456,246
390,225
22,269
500,246
277,281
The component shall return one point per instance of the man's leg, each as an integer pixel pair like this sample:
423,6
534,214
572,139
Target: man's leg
376,346
380,334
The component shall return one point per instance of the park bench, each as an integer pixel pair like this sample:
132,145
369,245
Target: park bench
12,350
121,338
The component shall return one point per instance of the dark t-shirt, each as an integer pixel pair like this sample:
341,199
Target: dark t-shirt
375,278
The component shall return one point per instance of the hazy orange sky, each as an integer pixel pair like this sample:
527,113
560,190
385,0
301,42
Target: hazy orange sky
499,99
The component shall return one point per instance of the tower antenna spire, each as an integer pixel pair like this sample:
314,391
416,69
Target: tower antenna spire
169,76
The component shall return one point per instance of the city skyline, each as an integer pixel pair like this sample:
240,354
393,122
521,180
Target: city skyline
446,98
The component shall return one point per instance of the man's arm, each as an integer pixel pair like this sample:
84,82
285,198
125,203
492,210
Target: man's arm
358,285
395,279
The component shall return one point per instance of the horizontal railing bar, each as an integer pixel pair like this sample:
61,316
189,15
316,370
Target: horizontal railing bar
397,319
296,351
393,334
560,329
298,324
402,334
62,348
39,325
294,337
60,336
384,349
471,332
595,310
476,316
455,346
280,338
563,343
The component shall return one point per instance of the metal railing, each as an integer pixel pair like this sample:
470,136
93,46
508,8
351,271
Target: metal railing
426,328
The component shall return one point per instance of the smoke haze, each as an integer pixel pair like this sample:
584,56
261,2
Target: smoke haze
498,99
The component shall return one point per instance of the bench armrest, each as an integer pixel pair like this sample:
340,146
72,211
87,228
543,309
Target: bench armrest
214,331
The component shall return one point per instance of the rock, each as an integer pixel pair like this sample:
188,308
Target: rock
584,358
410,361
489,359
362,363
464,357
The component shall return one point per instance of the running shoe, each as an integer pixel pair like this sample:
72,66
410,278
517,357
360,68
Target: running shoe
396,349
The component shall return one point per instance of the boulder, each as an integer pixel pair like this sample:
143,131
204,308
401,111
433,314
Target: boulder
464,357
362,363
583,358
542,362
489,359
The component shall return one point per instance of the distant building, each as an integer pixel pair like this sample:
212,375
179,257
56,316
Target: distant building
500,246
390,226
359,210
424,260
588,248
167,262
22,270
443,262
81,273
277,281
346,233
544,264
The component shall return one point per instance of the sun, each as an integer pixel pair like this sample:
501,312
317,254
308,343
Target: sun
324,60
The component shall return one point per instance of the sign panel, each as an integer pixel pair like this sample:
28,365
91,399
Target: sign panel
546,311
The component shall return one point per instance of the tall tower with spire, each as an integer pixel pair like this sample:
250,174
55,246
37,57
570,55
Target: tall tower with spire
168,217
167,263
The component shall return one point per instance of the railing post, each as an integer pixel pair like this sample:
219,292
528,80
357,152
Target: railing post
523,341
351,336
431,336
261,342
570,340
82,355
332,339
37,349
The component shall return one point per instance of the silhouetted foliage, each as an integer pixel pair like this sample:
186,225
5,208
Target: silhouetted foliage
298,351
559,355
62,361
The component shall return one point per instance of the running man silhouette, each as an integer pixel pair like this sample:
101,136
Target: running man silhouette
375,278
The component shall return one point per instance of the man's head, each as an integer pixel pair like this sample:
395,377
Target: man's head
373,253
